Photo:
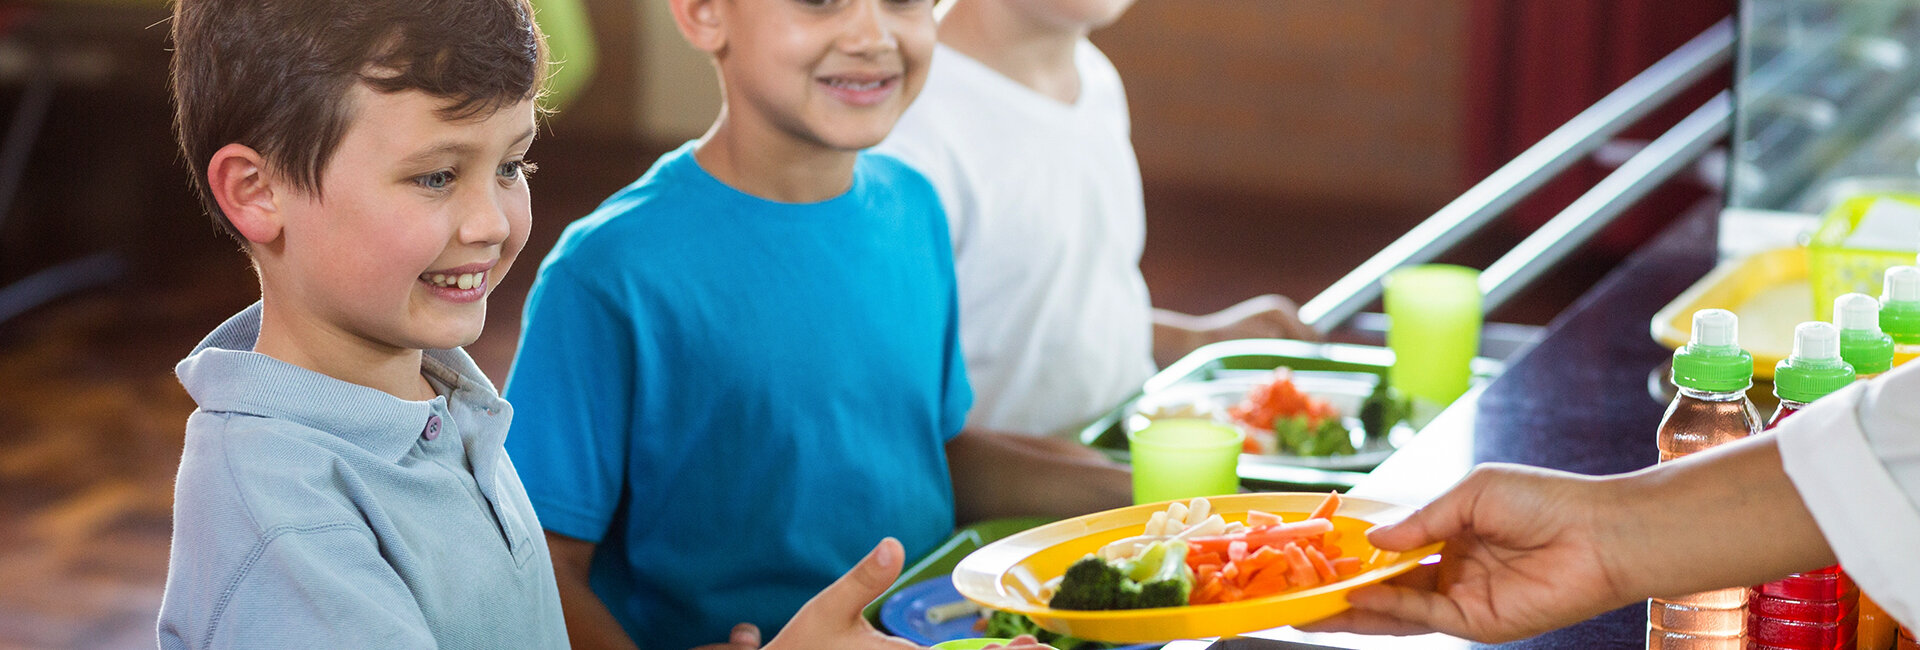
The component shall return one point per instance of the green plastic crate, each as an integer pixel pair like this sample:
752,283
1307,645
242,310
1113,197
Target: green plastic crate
1835,270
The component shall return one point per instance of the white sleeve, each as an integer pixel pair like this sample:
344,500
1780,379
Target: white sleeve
1854,457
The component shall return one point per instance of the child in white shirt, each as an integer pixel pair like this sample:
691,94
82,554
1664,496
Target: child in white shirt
1023,129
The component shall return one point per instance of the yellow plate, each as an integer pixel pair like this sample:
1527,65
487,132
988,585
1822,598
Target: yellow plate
1004,574
1767,290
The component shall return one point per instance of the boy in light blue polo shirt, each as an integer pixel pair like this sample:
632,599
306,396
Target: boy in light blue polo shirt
344,482
744,368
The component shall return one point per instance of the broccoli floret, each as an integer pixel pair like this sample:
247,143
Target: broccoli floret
1090,584
1157,577
1006,625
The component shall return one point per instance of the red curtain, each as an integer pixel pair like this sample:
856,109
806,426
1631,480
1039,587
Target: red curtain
1534,64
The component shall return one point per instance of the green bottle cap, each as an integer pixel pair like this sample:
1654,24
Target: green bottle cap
1862,344
1712,360
1814,369
1900,305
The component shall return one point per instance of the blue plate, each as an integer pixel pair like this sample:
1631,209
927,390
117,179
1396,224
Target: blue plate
905,614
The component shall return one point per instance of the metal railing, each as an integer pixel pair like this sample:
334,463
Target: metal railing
1540,163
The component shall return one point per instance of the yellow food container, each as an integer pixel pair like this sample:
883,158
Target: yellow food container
1007,574
1769,291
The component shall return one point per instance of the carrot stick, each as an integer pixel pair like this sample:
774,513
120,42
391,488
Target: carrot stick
1327,507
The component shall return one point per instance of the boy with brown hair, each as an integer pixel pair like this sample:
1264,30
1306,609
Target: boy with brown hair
343,482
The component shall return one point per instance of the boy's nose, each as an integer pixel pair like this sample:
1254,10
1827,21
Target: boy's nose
485,222
868,31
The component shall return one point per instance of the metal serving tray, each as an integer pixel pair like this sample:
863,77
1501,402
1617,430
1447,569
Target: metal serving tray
1238,358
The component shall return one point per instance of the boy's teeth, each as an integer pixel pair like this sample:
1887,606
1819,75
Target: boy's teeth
854,85
463,281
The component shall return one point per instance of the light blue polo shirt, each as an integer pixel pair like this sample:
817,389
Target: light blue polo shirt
736,398
312,512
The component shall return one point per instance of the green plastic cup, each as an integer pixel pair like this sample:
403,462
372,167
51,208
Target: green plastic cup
1433,328
1182,458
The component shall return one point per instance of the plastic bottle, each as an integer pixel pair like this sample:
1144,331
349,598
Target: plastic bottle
1900,312
1712,374
1870,355
1815,610
1862,344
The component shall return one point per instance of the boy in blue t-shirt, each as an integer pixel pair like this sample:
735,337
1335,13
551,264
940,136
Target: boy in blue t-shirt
742,370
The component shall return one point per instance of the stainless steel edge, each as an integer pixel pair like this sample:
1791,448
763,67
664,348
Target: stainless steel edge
1666,156
1524,174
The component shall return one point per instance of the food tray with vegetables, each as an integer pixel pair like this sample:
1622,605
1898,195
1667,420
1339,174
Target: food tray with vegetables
1316,415
1177,570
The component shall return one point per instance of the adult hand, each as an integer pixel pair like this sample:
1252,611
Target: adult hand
832,618
1528,550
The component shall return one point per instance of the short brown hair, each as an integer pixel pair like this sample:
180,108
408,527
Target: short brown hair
275,74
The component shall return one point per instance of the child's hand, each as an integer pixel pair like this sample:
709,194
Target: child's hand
1268,316
1022,642
1528,551
1260,317
832,618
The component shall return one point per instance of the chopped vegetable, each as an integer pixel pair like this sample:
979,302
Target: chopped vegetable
1157,577
1217,561
1383,409
1008,625
1299,423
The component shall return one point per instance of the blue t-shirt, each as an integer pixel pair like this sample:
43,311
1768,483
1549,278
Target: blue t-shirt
737,398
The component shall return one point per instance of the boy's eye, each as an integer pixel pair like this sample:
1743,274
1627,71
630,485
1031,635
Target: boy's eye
514,169
435,181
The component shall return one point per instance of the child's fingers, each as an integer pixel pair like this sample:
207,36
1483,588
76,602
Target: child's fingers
745,635
865,582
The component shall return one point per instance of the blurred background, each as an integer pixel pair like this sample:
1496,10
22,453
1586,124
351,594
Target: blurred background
1281,142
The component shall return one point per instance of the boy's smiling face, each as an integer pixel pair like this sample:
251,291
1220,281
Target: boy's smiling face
831,73
417,220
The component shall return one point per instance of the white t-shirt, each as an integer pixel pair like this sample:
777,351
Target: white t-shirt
1854,456
1043,202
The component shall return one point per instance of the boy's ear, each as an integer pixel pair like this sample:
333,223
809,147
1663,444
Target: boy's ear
700,21
242,185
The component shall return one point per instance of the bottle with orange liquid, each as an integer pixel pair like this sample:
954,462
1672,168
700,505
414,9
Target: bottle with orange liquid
1712,374
1815,610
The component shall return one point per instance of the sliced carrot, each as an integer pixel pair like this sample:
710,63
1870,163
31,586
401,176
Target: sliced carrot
1320,565
1300,569
1327,507
1237,550
1256,518
1197,558
1261,559
1346,566
1230,573
1208,592
1268,581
